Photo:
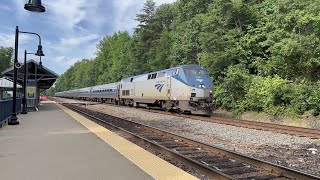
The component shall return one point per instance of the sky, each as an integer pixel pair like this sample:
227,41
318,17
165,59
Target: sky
69,29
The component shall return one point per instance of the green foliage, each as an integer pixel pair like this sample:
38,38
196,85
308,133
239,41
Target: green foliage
268,94
314,99
300,100
113,54
232,89
6,54
241,92
262,55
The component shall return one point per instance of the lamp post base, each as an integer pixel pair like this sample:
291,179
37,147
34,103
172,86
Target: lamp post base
24,111
13,120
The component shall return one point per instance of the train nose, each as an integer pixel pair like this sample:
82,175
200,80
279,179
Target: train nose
199,94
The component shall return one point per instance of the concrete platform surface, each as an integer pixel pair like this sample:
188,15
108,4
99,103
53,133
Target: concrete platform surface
50,144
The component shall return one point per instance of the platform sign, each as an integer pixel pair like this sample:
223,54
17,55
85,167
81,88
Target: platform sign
31,92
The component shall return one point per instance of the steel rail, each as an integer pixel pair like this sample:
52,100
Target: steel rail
279,128
275,171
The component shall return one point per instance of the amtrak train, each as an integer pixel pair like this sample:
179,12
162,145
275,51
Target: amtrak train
187,88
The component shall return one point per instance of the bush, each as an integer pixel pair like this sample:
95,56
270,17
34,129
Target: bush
231,90
239,91
299,98
314,98
270,94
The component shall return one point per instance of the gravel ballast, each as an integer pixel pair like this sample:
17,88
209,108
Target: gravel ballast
291,151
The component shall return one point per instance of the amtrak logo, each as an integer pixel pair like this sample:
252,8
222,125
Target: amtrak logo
200,80
159,87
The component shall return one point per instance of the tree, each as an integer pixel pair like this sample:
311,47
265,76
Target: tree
6,54
249,47
147,34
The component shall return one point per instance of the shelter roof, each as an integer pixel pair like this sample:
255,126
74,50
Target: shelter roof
44,76
6,83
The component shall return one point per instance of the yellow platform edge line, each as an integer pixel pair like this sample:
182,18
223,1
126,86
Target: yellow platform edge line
148,162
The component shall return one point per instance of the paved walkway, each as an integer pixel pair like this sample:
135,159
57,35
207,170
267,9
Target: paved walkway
50,144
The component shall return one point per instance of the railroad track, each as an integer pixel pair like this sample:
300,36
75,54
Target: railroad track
283,129
213,161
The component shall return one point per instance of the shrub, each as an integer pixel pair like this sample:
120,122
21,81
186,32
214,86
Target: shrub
270,94
302,91
231,90
239,91
314,98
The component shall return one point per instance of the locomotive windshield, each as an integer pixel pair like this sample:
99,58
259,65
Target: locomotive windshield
195,71
197,77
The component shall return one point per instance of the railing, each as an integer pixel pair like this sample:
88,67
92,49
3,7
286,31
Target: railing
6,109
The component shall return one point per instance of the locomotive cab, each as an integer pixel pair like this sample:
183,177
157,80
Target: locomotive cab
199,86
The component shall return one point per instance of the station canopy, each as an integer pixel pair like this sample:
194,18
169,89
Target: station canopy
7,83
45,77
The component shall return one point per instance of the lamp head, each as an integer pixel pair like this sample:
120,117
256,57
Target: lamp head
34,6
39,51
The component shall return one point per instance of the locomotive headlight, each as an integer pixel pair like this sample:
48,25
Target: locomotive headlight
202,86
193,90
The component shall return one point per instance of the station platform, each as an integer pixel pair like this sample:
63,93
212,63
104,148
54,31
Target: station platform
57,143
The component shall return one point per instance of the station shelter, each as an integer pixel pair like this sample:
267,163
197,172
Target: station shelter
39,78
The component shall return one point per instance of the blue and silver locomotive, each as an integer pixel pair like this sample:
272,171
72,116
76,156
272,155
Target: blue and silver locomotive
186,88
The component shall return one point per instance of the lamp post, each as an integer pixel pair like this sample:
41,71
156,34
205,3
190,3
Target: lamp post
24,102
14,119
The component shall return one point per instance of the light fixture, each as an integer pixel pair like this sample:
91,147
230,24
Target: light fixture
34,6
39,51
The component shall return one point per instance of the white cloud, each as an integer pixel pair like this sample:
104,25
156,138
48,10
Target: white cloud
8,40
19,8
82,46
59,64
71,61
78,24
75,41
68,51
71,29
59,59
81,40
126,13
164,1
68,14
67,62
